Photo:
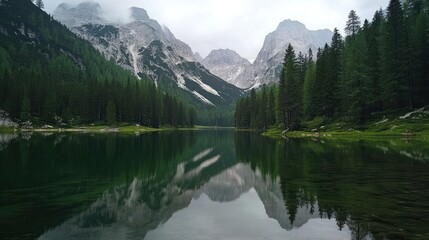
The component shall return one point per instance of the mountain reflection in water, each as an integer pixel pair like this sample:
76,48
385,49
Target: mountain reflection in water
217,185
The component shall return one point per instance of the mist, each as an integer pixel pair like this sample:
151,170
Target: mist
240,25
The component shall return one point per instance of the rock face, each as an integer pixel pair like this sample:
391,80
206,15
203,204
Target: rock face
148,49
267,66
229,66
268,62
198,57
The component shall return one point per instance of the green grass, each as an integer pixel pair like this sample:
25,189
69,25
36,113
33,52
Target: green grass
7,129
108,129
379,126
273,133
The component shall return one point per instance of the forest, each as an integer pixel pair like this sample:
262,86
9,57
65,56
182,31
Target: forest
50,76
380,66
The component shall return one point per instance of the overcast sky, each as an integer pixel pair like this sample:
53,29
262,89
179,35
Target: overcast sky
240,25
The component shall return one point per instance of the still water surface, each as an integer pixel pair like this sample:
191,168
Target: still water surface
211,185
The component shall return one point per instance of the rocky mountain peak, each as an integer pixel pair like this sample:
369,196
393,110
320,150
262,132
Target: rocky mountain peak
268,62
290,25
139,14
266,68
198,57
83,13
146,48
230,66
226,57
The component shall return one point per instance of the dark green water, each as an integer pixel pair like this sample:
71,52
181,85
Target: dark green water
211,185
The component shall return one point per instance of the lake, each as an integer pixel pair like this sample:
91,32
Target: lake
211,185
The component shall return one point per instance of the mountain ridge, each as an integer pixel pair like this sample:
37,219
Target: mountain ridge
267,66
229,65
127,43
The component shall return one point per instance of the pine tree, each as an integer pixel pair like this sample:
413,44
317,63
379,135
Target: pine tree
355,78
330,85
281,112
353,24
261,117
394,44
25,109
291,89
49,107
308,88
111,113
319,95
373,39
418,57
271,108
253,108
40,4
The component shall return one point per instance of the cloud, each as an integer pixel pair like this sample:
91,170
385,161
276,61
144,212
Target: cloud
240,25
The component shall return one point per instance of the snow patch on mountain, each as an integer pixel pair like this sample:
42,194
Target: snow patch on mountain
144,47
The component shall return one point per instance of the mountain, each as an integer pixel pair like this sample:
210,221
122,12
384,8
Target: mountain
198,57
229,66
48,75
266,68
268,62
145,47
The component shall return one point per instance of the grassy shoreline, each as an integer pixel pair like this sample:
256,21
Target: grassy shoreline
105,129
352,134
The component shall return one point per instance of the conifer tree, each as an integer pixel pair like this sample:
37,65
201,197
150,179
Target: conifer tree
40,4
308,88
291,89
253,105
25,109
394,43
261,117
353,24
418,57
281,111
271,108
111,113
373,41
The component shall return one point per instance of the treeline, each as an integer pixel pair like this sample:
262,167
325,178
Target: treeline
382,65
257,110
48,75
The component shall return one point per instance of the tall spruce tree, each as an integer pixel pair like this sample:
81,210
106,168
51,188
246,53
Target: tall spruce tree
111,116
418,57
355,78
308,88
318,97
281,111
25,109
331,84
373,41
271,107
353,24
261,117
291,89
395,86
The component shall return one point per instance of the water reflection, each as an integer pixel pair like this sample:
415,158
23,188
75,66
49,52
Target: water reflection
212,185
248,200
377,194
